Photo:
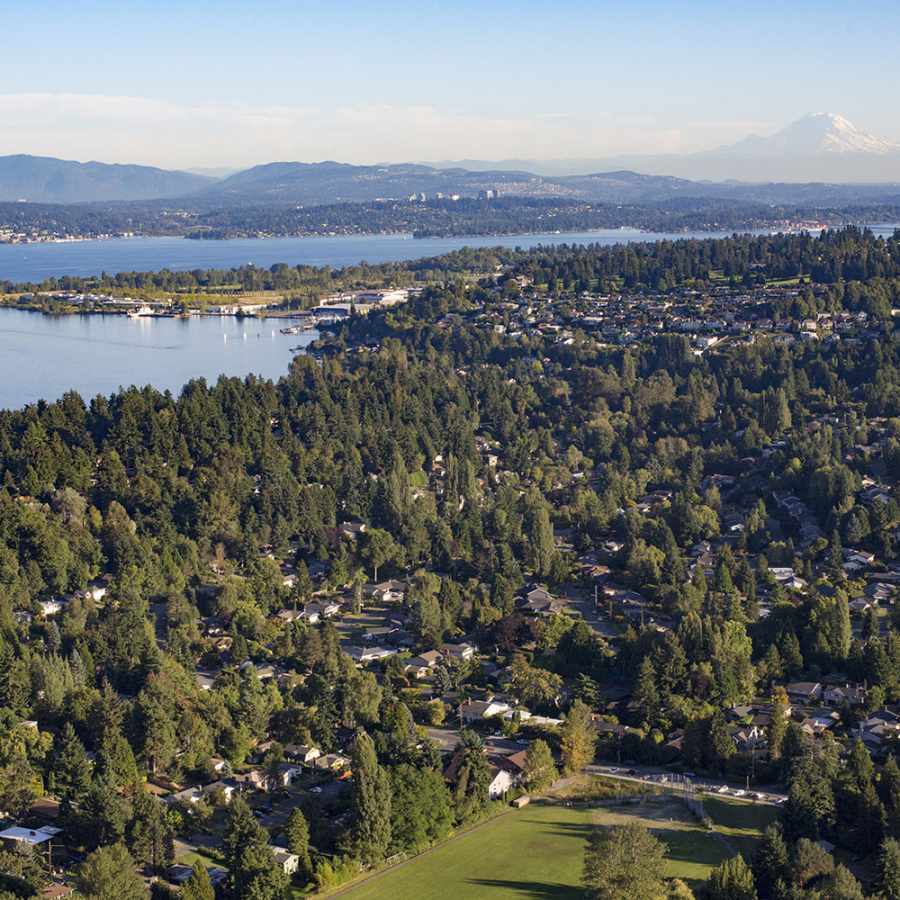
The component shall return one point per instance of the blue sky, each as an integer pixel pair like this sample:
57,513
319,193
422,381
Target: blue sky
228,83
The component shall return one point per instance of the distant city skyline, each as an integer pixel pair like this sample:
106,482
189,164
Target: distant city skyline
197,84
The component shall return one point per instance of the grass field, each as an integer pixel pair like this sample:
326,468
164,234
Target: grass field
537,852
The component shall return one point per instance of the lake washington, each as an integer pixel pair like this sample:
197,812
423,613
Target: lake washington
34,262
42,357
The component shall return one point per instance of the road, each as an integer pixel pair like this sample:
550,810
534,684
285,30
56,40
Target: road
659,776
446,739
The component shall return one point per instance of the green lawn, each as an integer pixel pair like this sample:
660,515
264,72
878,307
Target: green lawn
532,852
741,823
536,852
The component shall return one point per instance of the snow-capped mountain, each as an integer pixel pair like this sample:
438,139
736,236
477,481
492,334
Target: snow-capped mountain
813,135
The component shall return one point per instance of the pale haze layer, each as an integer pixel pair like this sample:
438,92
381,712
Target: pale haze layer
196,84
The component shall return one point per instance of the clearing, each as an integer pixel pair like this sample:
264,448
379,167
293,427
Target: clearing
537,851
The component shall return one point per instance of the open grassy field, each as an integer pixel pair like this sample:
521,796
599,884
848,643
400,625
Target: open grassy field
537,852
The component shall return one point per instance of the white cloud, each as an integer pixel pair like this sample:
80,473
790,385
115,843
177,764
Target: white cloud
157,132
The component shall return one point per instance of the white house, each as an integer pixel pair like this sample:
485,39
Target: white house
285,860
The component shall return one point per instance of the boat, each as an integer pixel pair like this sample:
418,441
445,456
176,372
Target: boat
140,312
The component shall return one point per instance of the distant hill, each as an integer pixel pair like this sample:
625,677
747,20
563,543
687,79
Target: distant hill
43,179
311,184
333,182
821,147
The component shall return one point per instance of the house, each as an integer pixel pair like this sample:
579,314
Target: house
540,601
205,680
351,530
369,654
222,791
284,775
389,591
28,837
504,776
478,710
219,792
749,738
518,761
53,607
220,766
781,574
285,860
881,728
302,753
804,691
97,589
838,695
287,616
423,665
459,652
334,762
179,874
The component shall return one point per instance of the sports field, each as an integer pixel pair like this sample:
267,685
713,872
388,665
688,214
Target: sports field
537,852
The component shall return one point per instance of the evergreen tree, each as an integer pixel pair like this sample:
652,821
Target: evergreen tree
842,885
198,886
778,723
371,801
252,872
297,834
540,770
645,696
623,862
731,880
150,836
771,862
71,768
889,869
473,779
109,874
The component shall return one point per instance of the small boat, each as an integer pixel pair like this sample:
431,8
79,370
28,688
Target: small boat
140,312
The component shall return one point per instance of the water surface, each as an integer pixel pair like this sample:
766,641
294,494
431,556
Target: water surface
42,357
34,262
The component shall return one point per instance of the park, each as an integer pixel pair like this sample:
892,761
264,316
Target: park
537,851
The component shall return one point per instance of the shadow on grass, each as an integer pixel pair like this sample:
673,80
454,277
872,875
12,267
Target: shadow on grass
538,889
568,829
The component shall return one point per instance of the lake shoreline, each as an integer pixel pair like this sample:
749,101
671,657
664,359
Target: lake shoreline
34,264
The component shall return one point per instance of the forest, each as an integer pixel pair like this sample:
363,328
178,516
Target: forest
734,511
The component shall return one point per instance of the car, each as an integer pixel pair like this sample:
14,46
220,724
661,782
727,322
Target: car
613,769
740,793
722,790
315,790
631,772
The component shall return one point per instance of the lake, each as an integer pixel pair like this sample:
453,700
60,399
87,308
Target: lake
42,357
34,262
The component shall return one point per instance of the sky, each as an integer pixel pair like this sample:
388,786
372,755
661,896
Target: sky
229,84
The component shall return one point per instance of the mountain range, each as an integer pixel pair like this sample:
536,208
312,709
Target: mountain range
817,147
785,167
44,179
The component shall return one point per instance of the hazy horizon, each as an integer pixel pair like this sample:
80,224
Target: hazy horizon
242,85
